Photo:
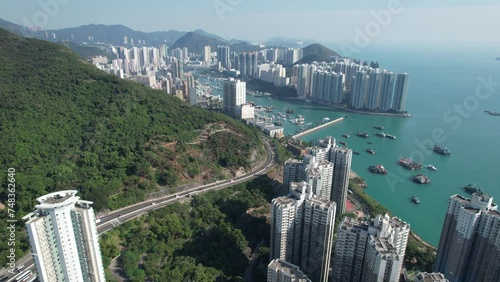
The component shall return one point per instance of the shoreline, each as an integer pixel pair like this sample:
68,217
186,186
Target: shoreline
366,206
363,112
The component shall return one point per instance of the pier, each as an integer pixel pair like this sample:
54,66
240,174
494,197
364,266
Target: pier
296,136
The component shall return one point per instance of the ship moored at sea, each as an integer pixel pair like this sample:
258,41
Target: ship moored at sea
431,167
390,136
441,150
409,163
472,188
378,169
343,143
363,134
415,200
379,127
421,179
345,135
370,151
355,152
381,134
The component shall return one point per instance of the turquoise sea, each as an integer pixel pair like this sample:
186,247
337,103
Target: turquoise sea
445,107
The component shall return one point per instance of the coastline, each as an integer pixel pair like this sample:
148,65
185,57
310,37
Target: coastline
363,112
367,206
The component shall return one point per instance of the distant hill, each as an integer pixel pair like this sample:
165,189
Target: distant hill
195,42
15,28
85,52
202,32
285,42
316,52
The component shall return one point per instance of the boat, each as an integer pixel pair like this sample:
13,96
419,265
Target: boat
441,150
278,123
370,151
421,179
378,169
346,116
472,188
345,135
369,142
343,143
415,200
390,136
431,167
409,163
381,134
355,152
326,119
289,111
363,134
492,113
379,127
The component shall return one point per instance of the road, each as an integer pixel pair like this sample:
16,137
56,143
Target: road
120,216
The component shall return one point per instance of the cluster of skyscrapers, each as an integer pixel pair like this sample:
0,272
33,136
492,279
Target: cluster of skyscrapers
348,82
326,168
370,250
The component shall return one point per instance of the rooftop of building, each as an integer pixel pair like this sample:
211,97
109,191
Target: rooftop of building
471,209
287,267
57,197
430,277
293,161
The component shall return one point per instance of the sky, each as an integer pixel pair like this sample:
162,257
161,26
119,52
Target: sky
352,23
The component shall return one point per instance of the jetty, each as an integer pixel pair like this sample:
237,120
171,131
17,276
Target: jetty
321,126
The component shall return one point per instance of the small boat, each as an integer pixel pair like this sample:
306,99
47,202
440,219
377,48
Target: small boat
343,143
472,188
346,116
378,169
390,136
289,111
431,167
370,151
355,152
415,200
363,135
379,127
441,150
381,134
326,119
345,135
421,179
369,142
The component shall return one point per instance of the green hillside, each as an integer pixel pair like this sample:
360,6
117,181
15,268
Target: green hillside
67,125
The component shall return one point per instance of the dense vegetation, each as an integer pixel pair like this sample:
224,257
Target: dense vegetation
208,239
68,125
85,52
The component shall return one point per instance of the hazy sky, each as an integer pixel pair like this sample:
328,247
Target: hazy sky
257,20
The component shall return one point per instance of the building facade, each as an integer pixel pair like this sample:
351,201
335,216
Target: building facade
302,231
64,240
469,248
370,250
